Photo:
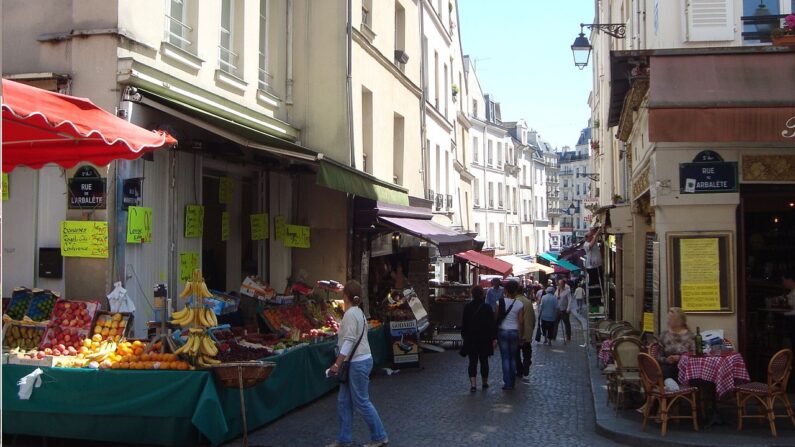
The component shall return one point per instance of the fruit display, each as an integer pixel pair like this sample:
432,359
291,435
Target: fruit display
70,323
42,304
232,351
20,301
286,318
112,325
199,347
22,335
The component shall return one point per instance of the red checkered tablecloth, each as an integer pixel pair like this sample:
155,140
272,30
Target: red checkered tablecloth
723,370
606,352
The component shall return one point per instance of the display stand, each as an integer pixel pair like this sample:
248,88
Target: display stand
242,375
163,334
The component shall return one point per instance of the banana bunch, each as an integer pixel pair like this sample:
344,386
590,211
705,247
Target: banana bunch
199,344
196,286
105,349
196,316
206,361
184,317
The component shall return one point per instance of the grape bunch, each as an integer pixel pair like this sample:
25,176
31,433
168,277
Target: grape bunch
232,351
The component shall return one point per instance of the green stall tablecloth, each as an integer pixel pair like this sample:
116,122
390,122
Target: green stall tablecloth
165,407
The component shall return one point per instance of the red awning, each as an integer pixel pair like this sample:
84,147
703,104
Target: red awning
41,127
488,262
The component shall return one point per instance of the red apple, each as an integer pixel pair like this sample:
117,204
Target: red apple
61,347
67,338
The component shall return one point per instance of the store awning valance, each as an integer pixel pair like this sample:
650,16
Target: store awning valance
486,261
343,178
42,127
446,240
523,267
563,264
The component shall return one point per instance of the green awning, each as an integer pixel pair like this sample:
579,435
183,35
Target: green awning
344,178
560,262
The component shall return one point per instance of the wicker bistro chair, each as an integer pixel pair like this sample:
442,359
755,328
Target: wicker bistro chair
627,375
652,378
778,371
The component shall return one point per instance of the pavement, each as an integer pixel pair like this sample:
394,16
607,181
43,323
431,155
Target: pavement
432,406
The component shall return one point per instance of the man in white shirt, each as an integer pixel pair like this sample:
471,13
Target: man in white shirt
579,296
593,255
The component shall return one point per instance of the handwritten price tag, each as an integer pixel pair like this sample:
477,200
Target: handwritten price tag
139,225
84,239
5,186
188,262
224,226
194,220
296,236
225,190
259,227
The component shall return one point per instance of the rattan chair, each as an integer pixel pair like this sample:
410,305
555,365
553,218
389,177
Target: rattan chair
625,354
652,379
778,371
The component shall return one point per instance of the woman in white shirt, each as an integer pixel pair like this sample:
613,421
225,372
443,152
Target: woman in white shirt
510,319
355,393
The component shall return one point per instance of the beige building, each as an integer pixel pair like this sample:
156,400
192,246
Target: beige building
701,110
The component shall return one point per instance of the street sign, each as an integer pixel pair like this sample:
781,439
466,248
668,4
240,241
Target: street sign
86,189
707,174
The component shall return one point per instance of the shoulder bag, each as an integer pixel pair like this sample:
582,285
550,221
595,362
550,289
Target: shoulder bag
501,315
345,368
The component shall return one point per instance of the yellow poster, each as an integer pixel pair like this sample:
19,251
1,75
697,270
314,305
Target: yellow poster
280,225
225,190
5,186
296,236
648,322
84,239
259,227
188,262
225,226
139,225
700,273
194,220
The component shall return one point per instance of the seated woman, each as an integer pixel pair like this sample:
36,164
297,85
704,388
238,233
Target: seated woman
675,341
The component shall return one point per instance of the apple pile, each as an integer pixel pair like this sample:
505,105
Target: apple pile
69,324
332,324
62,338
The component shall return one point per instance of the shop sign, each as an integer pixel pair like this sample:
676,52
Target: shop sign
789,131
648,322
132,192
405,346
84,239
707,174
87,189
139,225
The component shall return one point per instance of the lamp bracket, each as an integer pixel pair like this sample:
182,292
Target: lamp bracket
617,30
591,175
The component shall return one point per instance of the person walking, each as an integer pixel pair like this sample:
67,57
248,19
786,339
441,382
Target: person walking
354,394
479,333
548,314
524,355
495,293
510,325
579,296
565,306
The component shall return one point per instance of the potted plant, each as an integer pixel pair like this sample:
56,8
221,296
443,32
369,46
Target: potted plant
786,34
455,90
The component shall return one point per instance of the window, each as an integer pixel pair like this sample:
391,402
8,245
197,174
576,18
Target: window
178,32
367,131
565,183
446,90
476,191
367,13
400,33
524,175
265,78
436,79
491,235
502,234
475,108
491,195
490,159
229,59
438,169
477,228
499,155
499,198
507,197
398,138
475,149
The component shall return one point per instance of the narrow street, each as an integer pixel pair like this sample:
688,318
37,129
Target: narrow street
433,406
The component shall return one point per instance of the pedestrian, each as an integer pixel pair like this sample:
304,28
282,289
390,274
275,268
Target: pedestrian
510,325
354,394
579,296
479,333
495,293
524,355
548,314
565,306
593,256
539,293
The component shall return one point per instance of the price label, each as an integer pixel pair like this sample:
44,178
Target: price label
194,220
139,225
84,239
5,186
280,225
225,190
259,227
225,226
296,236
188,262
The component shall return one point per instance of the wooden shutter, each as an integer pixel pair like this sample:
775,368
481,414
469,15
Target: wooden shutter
710,20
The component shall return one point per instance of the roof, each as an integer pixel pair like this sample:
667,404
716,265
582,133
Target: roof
585,135
486,261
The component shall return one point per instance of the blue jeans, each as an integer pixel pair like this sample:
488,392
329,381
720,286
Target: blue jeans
355,395
509,346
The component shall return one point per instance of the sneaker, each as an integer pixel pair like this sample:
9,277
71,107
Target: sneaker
339,444
377,443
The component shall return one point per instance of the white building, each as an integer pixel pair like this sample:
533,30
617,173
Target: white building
577,178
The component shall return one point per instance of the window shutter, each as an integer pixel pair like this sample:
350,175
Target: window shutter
710,20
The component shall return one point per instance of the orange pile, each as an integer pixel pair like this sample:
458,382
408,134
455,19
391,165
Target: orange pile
130,355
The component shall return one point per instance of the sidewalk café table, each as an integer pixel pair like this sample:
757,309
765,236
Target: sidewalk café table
724,371
606,353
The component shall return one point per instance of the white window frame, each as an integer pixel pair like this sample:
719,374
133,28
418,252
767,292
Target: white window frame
264,77
228,58
172,23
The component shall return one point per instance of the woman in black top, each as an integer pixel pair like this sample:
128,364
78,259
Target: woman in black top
479,332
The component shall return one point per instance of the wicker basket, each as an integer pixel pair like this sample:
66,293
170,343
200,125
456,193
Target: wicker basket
243,374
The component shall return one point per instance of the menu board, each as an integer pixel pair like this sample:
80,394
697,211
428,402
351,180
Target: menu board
5,186
224,226
139,225
280,225
225,190
194,221
188,262
648,322
84,239
296,236
259,226
701,269
648,272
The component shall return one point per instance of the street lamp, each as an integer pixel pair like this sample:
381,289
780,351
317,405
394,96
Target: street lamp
572,211
581,48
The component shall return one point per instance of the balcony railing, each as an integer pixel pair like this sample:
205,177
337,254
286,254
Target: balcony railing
449,202
499,205
491,203
759,28
177,33
431,195
476,202
439,202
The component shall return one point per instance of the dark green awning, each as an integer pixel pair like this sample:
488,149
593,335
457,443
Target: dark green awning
344,178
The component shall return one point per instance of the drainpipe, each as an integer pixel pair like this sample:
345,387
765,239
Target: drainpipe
425,162
289,95
349,81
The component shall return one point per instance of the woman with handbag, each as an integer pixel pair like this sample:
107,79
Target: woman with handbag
479,334
510,325
352,368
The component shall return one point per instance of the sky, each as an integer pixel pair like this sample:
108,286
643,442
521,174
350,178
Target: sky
522,51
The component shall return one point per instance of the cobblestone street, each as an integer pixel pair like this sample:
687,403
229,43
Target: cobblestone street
433,406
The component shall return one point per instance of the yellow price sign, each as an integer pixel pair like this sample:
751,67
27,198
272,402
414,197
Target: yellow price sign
648,322
139,225
225,190
224,226
188,262
5,186
194,220
259,227
280,226
84,239
297,236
